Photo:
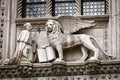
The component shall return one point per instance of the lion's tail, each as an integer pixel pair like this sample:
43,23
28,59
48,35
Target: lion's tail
106,55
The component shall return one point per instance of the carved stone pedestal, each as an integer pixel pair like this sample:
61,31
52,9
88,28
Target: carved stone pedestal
87,70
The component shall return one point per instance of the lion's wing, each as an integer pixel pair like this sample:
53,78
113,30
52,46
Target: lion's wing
71,24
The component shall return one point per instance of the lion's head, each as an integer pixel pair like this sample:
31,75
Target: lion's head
53,25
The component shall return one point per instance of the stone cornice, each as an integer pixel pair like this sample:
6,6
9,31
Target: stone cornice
42,20
60,69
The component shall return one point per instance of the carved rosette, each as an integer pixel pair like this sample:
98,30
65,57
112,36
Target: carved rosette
19,9
48,8
78,7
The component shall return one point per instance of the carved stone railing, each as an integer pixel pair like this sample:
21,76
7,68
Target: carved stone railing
61,69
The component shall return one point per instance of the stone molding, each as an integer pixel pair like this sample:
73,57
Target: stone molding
60,69
36,21
78,77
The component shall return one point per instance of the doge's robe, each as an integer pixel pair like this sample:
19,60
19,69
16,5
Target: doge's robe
24,49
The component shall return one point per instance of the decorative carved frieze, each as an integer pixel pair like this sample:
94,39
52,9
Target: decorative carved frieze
61,69
42,69
78,77
25,70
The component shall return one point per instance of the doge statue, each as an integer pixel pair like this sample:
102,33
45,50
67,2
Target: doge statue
60,37
24,48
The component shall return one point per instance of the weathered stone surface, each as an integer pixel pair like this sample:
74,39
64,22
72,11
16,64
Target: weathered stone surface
107,31
60,69
78,77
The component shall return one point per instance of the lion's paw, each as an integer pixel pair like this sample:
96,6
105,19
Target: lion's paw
5,62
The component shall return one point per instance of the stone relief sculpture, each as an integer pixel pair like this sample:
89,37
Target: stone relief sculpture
23,53
59,34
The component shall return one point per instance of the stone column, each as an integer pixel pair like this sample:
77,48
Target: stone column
2,9
13,34
8,26
19,8
78,7
107,6
114,28
48,8
118,27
